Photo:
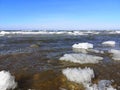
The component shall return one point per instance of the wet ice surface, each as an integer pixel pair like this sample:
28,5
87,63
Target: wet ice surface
34,59
81,58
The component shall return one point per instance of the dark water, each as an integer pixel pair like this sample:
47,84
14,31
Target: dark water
34,59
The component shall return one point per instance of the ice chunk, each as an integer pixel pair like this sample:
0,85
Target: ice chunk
116,54
105,85
79,75
7,81
81,58
83,45
4,32
102,85
84,76
109,43
76,33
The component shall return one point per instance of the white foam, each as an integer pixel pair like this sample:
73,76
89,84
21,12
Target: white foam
109,43
83,45
81,58
116,54
79,75
7,81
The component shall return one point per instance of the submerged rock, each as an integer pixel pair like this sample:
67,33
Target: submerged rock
50,80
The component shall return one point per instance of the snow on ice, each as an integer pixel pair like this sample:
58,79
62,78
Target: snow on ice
81,58
7,81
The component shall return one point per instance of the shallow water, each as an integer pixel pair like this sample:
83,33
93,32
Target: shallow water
34,59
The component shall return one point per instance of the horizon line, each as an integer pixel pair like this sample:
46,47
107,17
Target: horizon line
59,29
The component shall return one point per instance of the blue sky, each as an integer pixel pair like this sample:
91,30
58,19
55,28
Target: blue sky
60,14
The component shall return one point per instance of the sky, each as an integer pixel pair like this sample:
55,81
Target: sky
59,14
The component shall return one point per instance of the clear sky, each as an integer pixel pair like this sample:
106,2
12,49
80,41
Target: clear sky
60,14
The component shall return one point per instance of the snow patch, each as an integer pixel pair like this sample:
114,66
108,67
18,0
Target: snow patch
81,58
109,43
83,45
7,81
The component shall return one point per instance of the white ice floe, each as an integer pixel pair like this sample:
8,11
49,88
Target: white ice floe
109,43
81,58
7,81
83,45
85,76
76,33
79,75
114,32
116,54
